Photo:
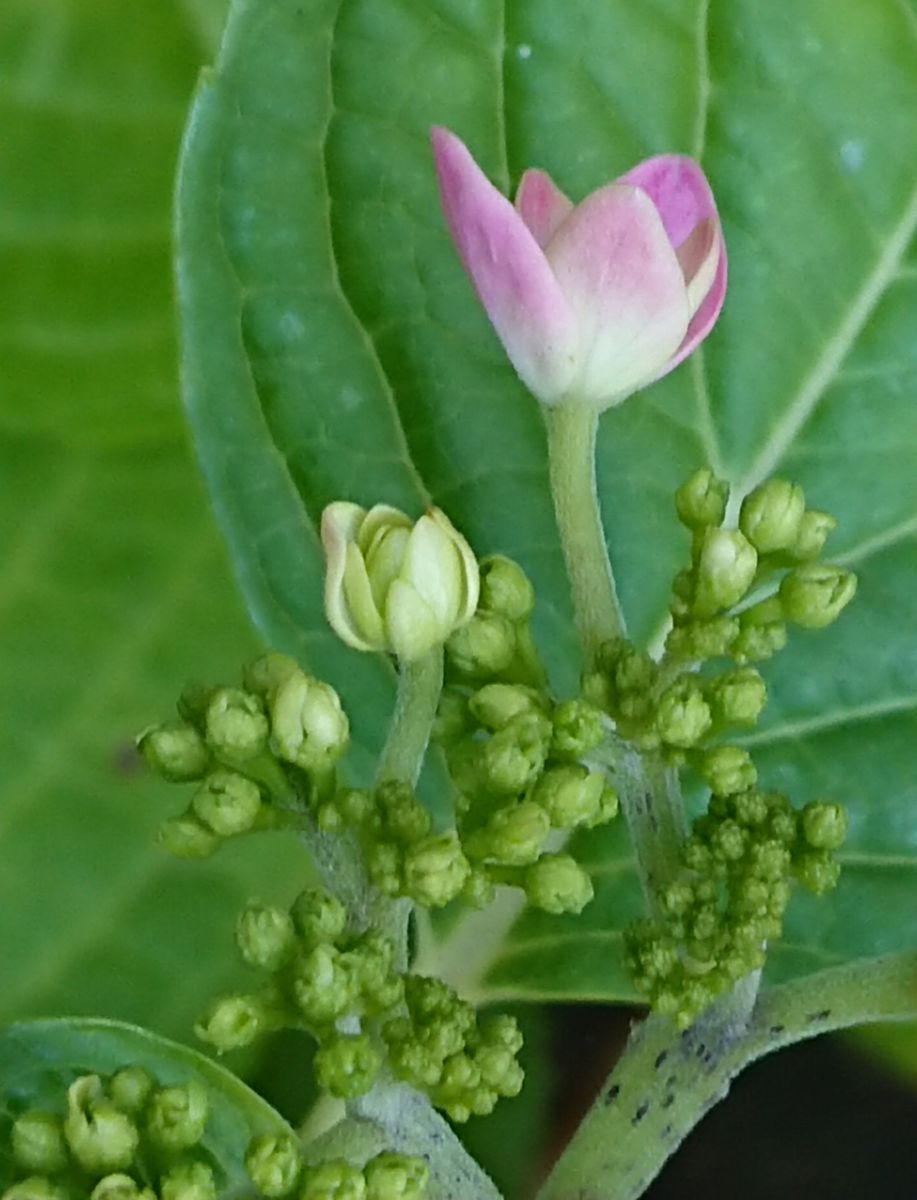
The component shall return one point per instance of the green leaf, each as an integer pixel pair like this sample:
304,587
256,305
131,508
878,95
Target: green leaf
333,348
40,1059
115,589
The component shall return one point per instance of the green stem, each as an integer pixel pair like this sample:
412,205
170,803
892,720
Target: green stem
571,453
419,687
666,1081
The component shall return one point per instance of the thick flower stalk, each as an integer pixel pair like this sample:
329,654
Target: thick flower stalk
594,301
393,584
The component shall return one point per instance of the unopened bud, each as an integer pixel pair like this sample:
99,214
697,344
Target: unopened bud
814,530
274,1163
318,916
227,803
728,770
101,1137
266,936
513,836
682,714
38,1143
130,1088
324,987
452,716
120,1187
189,1181
176,752
771,515
496,704
738,697
236,726
308,726
435,869
395,1177
334,1180
235,1021
36,1187
814,595
347,1065
570,795
762,632
264,674
405,817
505,588
187,837
556,883
817,871
725,571
701,500
513,758
176,1116
484,647
578,727
824,826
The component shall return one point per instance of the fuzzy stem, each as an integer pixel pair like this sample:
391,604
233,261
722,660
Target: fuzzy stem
571,453
419,686
666,1081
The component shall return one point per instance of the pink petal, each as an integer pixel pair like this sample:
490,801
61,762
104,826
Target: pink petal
509,271
541,204
680,191
619,273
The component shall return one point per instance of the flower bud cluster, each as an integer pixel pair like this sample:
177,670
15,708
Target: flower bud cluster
729,900
776,533
246,749
319,974
277,1169
439,1047
121,1138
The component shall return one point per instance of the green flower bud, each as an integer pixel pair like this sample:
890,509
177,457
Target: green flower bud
727,770
324,986
729,841
496,704
176,752
505,588
682,714
512,759
227,803
130,1088
405,818
435,869
266,936
701,500
556,883
824,826
699,641
176,1116
235,1021
274,1163
187,837
101,1137
38,1143
578,727
308,726
264,674
395,1177
396,584
484,647
36,1187
814,595
189,1181
570,795
236,726
738,697
479,890
762,632
814,530
769,859
372,963
318,916
347,1065
817,871
513,836
726,568
771,515
385,863
356,807
452,716
120,1187
334,1180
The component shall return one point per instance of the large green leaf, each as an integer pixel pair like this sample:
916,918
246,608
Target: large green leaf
333,349
114,588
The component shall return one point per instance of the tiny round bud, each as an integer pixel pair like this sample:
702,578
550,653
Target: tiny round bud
347,1065
505,588
130,1088
484,647
496,704
738,697
235,1021
189,1181
308,726
682,714
101,1137
324,987
817,871
824,826
227,803
699,641
479,889
814,595
570,795
726,568
176,752
38,1143
556,883
176,1116
274,1163
727,770
513,758
395,1177
120,1187
333,1180
318,916
187,837
404,817
264,674
771,515
701,500
385,863
762,632
435,869
452,716
236,726
814,530
578,727
36,1187
266,936
513,836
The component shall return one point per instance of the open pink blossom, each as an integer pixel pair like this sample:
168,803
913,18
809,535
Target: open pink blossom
597,300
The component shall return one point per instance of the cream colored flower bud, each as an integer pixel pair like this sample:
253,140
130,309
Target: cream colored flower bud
393,584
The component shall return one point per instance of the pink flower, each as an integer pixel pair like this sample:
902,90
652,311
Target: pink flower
597,300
